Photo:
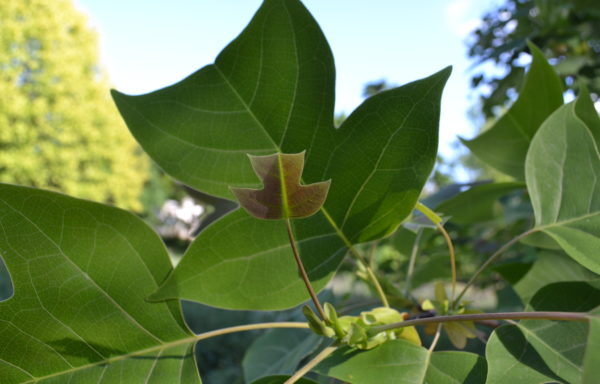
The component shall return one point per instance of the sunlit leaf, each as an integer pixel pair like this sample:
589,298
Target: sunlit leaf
272,91
81,272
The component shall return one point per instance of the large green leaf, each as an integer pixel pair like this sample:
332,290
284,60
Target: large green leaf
279,351
504,146
400,362
80,272
562,169
538,351
272,90
552,267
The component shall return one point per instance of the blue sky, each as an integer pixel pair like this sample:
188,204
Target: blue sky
149,44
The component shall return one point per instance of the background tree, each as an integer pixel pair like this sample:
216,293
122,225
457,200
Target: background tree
58,126
567,31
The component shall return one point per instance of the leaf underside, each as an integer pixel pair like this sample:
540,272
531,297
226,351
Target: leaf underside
563,169
81,271
272,91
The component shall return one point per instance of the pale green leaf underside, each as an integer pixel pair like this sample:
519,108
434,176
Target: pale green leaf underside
80,272
552,267
538,351
272,90
504,146
278,352
401,362
563,174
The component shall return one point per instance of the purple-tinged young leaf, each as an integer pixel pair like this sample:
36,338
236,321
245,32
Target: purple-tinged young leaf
282,196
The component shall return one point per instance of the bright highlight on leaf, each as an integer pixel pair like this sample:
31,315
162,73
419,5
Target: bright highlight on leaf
282,196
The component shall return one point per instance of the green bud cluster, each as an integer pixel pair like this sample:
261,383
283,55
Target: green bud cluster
357,331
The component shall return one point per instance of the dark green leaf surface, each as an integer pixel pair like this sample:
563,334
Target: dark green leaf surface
563,168
278,351
476,205
81,272
537,351
504,146
400,362
271,90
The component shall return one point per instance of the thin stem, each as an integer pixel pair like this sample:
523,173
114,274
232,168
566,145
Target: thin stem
378,287
435,338
249,327
310,365
565,316
490,261
441,228
302,271
357,255
437,220
411,263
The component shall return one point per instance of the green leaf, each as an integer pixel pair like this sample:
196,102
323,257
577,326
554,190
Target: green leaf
504,146
282,196
279,351
591,361
476,204
552,267
80,272
563,166
543,350
272,90
400,362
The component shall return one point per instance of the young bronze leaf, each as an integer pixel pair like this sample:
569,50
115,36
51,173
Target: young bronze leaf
282,196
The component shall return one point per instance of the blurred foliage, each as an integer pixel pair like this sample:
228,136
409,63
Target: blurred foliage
56,115
567,31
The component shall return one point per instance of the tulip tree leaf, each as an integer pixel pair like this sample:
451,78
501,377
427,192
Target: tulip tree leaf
81,271
282,196
563,169
272,91
278,351
536,351
552,267
398,361
504,146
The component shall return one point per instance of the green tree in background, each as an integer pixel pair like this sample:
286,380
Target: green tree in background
567,31
58,126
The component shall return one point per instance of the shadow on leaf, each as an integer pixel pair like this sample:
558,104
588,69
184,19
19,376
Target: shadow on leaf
517,345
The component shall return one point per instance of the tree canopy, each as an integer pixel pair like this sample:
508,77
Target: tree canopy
58,126
567,31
